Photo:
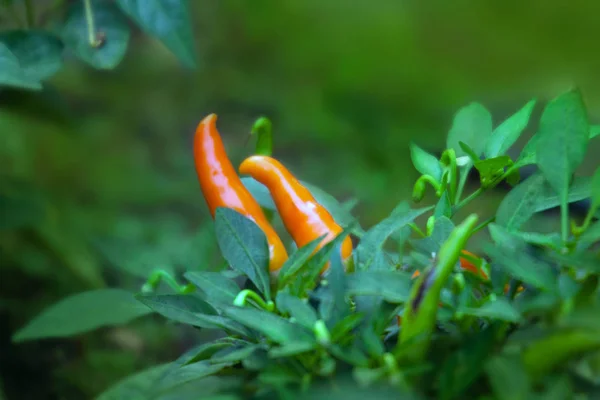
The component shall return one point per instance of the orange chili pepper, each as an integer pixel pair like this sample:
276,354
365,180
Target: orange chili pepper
222,187
303,217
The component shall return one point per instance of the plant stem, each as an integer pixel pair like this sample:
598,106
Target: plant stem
464,174
468,199
484,224
564,222
89,19
30,18
240,300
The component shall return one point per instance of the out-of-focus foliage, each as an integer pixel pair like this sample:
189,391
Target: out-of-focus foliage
97,186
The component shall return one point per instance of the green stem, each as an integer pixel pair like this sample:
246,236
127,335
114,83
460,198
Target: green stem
462,182
468,199
240,300
484,224
449,158
91,27
415,228
564,222
578,230
161,275
29,16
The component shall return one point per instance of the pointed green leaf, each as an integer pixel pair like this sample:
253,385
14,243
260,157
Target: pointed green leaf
136,386
298,309
216,287
507,133
244,245
469,151
443,207
333,306
188,373
442,228
425,163
594,131
376,237
297,260
292,349
271,325
169,21
472,125
498,309
109,24
393,286
234,353
562,144
491,169
83,312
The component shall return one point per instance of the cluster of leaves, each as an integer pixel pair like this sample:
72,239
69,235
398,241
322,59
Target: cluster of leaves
95,31
522,325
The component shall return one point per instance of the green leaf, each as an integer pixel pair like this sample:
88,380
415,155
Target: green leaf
472,125
512,255
83,312
272,326
393,286
11,73
108,22
443,207
244,245
316,263
292,349
563,137
39,53
442,228
136,386
333,306
234,353
169,21
594,131
297,260
425,163
372,242
199,353
551,240
534,195
469,151
190,310
507,133
259,192
297,308
216,287
187,374
498,309
491,169
589,237
508,378
595,188
528,153
557,348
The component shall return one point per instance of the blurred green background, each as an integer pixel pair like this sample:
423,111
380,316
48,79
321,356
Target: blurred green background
97,183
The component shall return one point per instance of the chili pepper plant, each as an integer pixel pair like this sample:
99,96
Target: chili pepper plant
412,310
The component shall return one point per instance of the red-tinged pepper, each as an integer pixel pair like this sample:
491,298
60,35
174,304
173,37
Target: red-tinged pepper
222,187
304,218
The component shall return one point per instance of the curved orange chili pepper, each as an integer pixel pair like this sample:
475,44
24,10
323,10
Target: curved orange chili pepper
222,187
303,217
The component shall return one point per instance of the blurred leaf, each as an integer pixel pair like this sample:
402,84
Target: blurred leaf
83,312
316,263
190,310
472,125
297,260
508,378
589,237
234,353
20,211
259,192
443,207
291,349
297,308
557,348
425,163
111,29
497,309
528,154
594,131
518,262
11,73
562,143
491,168
39,53
374,239
551,240
393,286
187,374
244,245
169,21
272,326
199,353
215,286
580,189
507,133
596,188
136,386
